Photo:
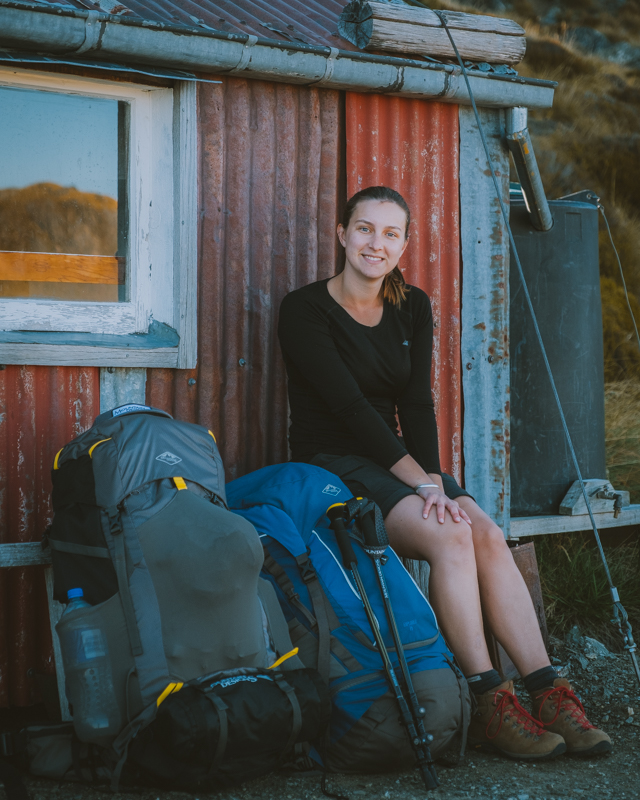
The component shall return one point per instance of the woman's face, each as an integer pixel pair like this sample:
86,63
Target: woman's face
375,238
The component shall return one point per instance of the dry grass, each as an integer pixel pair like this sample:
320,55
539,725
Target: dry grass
622,402
575,587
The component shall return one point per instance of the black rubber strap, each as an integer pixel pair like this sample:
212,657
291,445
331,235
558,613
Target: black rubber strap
290,692
284,582
120,564
223,738
318,601
79,549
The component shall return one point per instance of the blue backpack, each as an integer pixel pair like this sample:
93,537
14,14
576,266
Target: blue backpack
287,504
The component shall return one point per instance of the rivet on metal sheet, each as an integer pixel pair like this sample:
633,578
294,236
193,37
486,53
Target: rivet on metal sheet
328,70
243,63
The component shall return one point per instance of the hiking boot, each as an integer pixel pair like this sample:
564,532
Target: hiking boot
501,724
559,710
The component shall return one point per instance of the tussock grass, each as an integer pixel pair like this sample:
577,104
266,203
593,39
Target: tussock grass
622,423
575,588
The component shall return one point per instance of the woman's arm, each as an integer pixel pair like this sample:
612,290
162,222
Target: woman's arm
416,412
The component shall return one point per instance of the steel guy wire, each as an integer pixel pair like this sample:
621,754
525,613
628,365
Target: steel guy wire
624,283
621,617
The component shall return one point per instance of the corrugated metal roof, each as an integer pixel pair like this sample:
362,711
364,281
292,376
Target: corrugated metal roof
302,21
270,193
41,408
412,146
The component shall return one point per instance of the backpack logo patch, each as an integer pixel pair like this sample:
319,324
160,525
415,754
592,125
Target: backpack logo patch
332,490
168,458
128,409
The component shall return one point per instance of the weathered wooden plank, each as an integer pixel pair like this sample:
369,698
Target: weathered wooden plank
573,503
485,315
420,40
86,356
56,610
540,526
456,20
186,232
23,554
60,268
410,31
121,386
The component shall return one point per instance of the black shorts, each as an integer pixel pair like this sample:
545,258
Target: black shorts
365,478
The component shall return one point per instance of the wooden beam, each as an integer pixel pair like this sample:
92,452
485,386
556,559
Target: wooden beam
557,523
456,20
61,268
23,554
413,31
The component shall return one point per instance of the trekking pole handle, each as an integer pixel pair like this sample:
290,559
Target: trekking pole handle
373,530
336,518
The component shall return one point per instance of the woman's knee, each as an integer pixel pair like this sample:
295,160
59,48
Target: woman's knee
488,538
456,541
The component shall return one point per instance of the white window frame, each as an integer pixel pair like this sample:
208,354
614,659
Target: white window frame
162,244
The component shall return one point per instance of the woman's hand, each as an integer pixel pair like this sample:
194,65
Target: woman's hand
433,496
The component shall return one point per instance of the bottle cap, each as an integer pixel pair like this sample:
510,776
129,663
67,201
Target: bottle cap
73,593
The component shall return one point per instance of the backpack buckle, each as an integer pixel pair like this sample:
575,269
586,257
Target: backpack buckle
307,571
115,523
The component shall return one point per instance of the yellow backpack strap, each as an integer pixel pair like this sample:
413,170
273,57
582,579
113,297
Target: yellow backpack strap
172,688
55,460
93,446
283,658
180,484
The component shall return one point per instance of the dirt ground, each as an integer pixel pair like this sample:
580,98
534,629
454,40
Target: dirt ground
611,696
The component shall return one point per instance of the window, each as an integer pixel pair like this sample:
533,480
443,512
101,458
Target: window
97,211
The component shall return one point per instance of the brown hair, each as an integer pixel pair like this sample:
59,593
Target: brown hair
394,288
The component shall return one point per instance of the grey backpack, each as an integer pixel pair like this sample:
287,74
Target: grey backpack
170,575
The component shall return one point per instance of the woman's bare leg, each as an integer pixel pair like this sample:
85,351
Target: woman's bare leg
503,593
453,582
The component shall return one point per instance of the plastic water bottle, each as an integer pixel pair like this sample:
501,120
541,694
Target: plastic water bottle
87,668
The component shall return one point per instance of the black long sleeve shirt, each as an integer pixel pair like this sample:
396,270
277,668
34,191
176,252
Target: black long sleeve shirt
347,380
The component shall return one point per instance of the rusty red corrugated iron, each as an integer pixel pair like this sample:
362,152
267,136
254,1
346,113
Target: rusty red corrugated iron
270,167
41,408
412,146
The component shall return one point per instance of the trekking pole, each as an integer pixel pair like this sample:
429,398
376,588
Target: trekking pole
350,562
376,542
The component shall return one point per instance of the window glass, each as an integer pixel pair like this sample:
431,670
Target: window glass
63,196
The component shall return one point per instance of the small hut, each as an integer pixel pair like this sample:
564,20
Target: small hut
196,159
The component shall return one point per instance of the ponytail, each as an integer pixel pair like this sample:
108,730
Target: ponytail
394,288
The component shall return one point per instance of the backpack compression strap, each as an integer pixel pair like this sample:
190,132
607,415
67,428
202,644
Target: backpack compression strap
335,645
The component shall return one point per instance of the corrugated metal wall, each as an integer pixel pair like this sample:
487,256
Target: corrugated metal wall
41,408
413,147
270,165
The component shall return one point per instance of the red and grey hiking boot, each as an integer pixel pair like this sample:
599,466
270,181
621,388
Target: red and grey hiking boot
501,724
559,711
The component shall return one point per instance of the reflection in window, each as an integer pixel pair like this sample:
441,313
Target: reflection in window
63,196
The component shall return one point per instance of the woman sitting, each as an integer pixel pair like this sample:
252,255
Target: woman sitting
358,350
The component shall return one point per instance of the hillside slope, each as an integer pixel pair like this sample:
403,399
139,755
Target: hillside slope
590,139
